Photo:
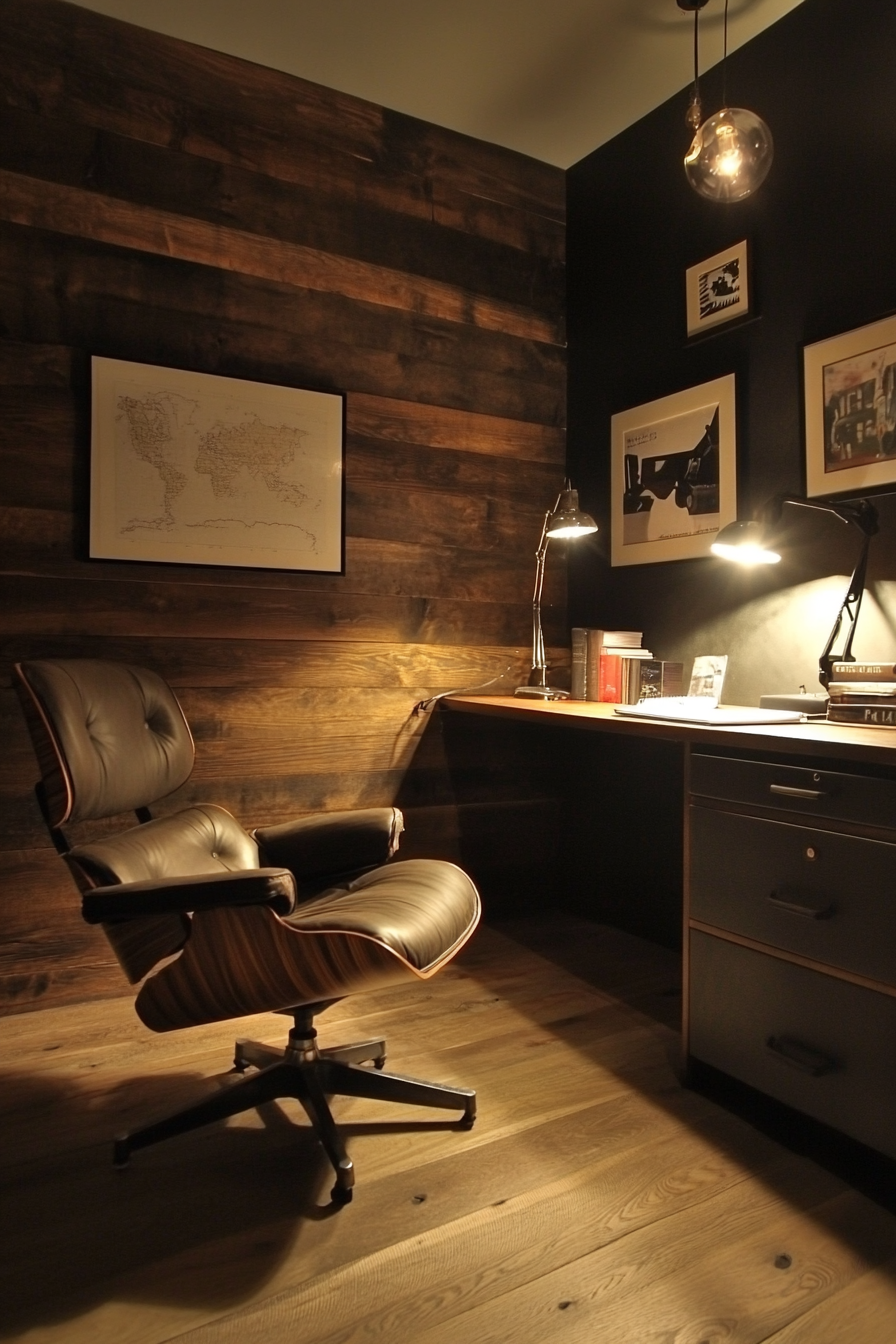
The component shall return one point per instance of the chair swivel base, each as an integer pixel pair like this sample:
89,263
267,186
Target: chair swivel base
309,1075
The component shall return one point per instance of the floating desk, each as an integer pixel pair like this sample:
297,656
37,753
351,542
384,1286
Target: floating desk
789,904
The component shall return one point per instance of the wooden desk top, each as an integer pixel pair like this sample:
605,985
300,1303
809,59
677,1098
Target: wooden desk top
835,741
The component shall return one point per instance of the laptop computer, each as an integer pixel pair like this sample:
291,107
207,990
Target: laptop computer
704,709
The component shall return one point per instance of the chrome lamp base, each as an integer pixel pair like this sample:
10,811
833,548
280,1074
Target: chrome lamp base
537,689
542,692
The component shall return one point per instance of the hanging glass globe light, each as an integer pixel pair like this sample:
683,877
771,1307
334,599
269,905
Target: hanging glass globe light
730,155
732,151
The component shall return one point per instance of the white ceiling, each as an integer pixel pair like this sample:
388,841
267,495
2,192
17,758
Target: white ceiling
552,78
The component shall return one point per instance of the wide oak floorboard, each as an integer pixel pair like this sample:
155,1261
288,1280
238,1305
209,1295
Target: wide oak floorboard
596,1199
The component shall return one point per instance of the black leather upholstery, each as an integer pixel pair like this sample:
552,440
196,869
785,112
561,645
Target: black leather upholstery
223,923
334,848
418,908
124,900
121,735
200,839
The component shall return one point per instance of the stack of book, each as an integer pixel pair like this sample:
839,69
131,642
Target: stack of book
863,693
612,666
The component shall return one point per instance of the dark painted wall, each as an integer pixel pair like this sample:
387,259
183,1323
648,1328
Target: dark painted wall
821,230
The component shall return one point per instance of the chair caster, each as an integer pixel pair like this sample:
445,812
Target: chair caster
379,1062
345,1180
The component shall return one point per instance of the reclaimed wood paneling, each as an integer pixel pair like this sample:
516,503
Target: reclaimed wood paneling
175,206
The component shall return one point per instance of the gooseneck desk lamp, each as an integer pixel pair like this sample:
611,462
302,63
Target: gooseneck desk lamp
564,520
751,543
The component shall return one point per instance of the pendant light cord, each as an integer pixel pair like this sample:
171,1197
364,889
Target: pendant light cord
725,58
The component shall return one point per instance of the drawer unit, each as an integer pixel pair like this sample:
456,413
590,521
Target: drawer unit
826,794
821,895
817,1043
776,856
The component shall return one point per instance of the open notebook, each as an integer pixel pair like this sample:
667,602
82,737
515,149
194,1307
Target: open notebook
704,709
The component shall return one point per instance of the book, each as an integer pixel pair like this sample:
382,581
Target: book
621,639
853,692
849,690
586,646
658,678
869,716
579,663
609,679
619,674
863,672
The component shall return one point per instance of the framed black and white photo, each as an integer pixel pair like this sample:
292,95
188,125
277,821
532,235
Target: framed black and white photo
673,474
850,390
199,469
718,289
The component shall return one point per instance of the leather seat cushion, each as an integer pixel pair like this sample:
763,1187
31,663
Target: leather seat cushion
421,908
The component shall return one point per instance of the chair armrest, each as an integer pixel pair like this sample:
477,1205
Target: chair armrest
126,900
336,846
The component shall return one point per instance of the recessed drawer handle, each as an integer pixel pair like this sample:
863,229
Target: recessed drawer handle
789,791
788,901
799,1056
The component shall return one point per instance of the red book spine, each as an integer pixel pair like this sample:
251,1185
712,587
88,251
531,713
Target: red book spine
609,688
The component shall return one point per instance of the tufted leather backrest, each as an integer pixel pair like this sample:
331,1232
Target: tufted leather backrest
109,737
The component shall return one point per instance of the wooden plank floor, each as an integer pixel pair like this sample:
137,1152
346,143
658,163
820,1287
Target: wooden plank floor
595,1199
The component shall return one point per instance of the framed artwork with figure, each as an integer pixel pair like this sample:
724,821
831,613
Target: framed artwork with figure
717,290
850,391
673,475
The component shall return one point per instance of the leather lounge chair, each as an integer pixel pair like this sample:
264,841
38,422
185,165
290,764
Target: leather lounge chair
218,922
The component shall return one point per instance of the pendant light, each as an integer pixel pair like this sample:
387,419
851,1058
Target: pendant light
732,151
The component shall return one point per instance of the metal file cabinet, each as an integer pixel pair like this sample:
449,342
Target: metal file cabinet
791,936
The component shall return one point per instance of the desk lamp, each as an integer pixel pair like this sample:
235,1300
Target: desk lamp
564,520
749,543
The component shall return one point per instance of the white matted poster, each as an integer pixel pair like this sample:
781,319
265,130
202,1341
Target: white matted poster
717,290
199,469
673,474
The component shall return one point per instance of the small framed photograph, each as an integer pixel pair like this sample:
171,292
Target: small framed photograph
198,469
718,289
708,676
850,390
673,474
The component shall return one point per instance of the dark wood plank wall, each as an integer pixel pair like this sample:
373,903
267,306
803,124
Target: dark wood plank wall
170,205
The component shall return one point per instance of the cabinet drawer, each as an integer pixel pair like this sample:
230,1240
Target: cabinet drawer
820,793
819,1044
825,896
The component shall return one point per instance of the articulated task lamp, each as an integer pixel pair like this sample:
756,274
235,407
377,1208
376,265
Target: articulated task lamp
750,543
564,520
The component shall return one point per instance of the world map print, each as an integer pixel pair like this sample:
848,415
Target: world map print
214,470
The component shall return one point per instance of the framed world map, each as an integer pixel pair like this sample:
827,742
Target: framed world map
195,468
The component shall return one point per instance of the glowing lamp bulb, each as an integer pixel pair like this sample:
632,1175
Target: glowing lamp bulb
730,155
745,555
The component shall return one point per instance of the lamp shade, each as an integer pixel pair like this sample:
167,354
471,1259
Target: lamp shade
746,543
568,520
730,155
